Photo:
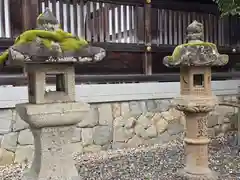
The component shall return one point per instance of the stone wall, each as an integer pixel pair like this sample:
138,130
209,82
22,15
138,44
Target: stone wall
110,125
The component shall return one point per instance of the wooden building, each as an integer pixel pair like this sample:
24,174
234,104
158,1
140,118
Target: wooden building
125,29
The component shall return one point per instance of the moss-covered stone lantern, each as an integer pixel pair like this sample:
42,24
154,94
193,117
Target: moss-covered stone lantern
52,116
195,59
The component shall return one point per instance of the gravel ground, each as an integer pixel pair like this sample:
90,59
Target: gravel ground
147,163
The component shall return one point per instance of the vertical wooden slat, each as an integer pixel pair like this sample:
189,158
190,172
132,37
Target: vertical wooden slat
159,26
29,7
170,27
54,7
148,39
215,29
113,25
46,3
68,13
75,15
184,26
166,35
206,25
106,23
175,27
131,38
81,20
2,16
135,31
94,25
101,22
88,21
180,32
125,19
61,13
119,16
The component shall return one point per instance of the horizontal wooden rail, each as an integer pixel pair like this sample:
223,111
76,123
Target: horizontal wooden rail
20,79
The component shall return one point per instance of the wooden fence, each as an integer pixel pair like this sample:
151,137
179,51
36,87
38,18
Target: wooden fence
124,23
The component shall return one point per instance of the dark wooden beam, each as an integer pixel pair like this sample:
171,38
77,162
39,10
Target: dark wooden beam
30,12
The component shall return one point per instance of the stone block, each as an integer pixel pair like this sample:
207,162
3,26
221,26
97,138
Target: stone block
163,105
175,128
6,157
125,109
212,119
161,139
91,119
25,137
116,110
160,123
77,135
18,123
135,108
105,114
6,117
92,148
102,135
9,141
151,105
87,136
136,141
24,154
144,121
121,134
75,147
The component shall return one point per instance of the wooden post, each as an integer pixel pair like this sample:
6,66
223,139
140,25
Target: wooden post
238,122
29,13
148,38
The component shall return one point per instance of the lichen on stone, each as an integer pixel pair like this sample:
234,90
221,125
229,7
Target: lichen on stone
195,52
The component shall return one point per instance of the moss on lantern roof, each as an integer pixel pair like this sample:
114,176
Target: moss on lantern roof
176,53
66,40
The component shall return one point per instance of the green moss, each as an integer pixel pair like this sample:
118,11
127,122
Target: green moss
66,40
3,57
176,53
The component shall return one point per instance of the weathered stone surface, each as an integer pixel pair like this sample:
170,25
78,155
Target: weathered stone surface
6,157
141,131
105,114
118,145
135,142
102,135
6,117
122,134
77,135
135,108
24,154
91,119
125,109
174,129
151,131
211,132
161,139
76,147
144,121
143,106
92,148
116,110
163,105
160,123
87,136
168,116
9,141
151,105
18,123
25,137
212,119
225,127
130,123
119,122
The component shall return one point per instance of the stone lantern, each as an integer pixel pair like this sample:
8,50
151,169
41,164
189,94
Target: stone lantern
52,116
196,100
